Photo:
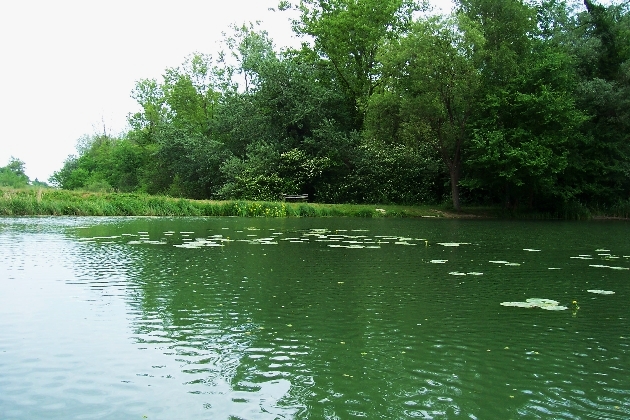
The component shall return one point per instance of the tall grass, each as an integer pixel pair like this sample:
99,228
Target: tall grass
22,202
620,210
49,201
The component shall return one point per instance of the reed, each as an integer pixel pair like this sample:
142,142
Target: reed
54,202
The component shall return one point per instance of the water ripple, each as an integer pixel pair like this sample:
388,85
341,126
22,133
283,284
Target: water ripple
108,318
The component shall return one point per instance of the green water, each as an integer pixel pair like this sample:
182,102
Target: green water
230,318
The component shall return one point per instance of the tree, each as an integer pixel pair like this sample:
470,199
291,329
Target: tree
103,163
146,124
521,143
273,124
16,166
175,127
527,115
606,24
347,35
13,175
432,81
598,38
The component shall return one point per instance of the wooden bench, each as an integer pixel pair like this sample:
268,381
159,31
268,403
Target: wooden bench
295,198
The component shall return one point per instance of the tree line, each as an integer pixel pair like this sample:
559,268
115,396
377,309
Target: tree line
13,175
524,104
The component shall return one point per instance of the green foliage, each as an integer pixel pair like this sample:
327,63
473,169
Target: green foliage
13,174
348,33
599,166
267,174
61,202
389,174
523,103
521,141
105,164
431,86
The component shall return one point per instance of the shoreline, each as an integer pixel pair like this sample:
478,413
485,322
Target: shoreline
55,202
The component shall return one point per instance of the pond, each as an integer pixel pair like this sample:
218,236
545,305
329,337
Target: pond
338,318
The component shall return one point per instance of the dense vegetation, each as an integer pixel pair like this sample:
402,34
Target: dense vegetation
522,104
13,175
55,202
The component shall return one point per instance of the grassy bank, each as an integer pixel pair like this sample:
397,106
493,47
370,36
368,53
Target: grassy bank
47,201
33,201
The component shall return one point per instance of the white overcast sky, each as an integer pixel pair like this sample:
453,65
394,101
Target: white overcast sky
68,66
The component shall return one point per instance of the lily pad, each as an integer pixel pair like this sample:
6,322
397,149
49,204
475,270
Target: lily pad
505,263
539,301
546,304
519,304
553,308
607,266
601,292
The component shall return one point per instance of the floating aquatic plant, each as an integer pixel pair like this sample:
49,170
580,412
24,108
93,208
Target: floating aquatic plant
353,246
519,304
546,304
540,301
145,242
505,263
601,292
98,238
459,273
608,266
553,307
198,244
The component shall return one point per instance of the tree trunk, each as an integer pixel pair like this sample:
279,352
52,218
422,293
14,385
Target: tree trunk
454,170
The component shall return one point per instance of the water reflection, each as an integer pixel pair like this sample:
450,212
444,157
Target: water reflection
256,318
